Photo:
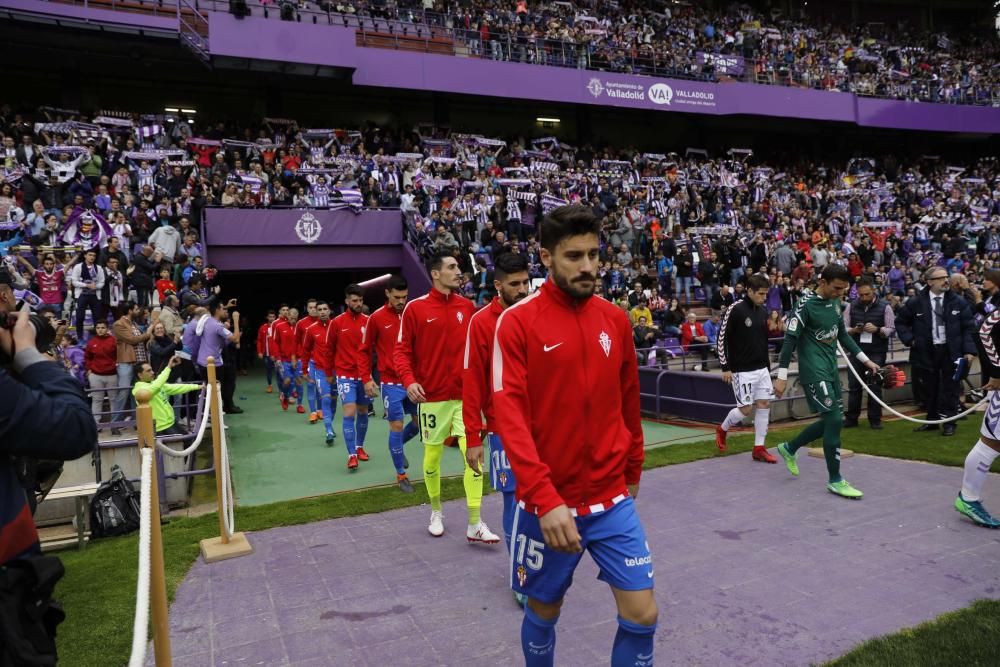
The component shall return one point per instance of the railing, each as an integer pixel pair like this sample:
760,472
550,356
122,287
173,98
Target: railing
193,27
433,32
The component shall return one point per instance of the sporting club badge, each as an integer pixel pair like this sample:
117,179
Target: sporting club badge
459,315
605,340
748,322
522,575
503,479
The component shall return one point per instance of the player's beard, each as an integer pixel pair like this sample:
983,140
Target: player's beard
510,300
573,287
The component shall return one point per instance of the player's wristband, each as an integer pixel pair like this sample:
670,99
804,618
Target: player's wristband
862,357
782,373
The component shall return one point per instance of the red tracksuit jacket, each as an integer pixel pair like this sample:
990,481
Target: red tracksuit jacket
312,343
265,344
300,334
552,353
284,339
341,345
477,400
429,349
380,336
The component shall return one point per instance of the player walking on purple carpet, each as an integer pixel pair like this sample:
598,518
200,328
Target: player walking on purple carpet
815,327
743,355
987,449
511,282
577,462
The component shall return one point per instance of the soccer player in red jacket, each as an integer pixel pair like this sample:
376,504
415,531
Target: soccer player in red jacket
343,340
313,355
577,465
428,356
284,352
380,337
303,376
511,281
264,343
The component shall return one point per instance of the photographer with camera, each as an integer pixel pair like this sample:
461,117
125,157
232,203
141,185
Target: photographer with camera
43,415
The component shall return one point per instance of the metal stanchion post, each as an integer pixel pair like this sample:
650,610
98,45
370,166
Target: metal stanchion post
225,546
157,581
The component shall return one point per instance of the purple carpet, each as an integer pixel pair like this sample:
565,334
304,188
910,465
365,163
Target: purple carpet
753,567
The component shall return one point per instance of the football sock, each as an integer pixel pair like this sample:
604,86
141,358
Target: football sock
269,365
977,466
538,639
287,389
633,644
311,391
328,406
362,427
509,505
732,420
810,433
833,421
473,487
409,431
350,438
432,474
396,450
760,421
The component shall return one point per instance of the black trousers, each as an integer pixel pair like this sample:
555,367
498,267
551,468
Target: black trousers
940,387
854,391
83,302
227,379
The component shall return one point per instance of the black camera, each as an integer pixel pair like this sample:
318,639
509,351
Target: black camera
45,335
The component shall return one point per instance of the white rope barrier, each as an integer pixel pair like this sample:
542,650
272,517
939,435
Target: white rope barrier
140,629
181,453
222,468
878,400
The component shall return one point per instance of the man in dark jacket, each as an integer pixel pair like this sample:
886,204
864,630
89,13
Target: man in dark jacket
43,414
145,263
937,326
872,324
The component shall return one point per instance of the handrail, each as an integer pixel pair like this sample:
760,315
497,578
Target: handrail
441,33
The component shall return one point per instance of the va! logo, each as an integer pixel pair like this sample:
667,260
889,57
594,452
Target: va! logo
660,93
308,228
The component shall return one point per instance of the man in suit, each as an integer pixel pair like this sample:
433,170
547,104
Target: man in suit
937,326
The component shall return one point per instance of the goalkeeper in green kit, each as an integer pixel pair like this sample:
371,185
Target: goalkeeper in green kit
814,328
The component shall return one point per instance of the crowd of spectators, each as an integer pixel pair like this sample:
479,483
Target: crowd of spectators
693,41
679,228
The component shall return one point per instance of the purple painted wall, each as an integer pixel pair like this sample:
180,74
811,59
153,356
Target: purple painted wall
301,228
335,46
289,258
167,22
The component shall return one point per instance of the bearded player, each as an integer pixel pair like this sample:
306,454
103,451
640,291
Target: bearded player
511,281
577,462
380,337
815,327
341,345
428,358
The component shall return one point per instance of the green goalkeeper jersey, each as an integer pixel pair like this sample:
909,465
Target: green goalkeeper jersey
814,327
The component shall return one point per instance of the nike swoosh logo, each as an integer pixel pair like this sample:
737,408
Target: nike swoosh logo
432,319
650,574
387,326
549,348
644,657
539,648
344,329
